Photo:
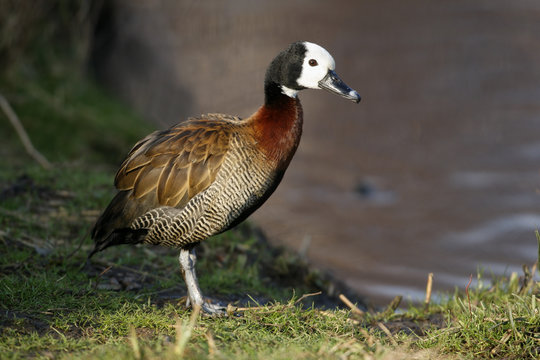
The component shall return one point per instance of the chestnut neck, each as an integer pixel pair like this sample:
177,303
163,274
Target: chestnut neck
278,125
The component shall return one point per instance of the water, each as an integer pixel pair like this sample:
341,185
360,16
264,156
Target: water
437,169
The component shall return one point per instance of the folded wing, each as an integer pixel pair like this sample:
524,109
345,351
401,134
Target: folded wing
167,168
175,164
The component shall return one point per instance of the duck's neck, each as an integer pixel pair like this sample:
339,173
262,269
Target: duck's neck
278,125
274,94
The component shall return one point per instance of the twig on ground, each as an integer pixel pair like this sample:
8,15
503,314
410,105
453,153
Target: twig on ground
105,270
232,309
507,335
353,307
388,333
23,136
391,308
429,286
306,296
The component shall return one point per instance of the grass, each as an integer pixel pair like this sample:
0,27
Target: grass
128,302
51,308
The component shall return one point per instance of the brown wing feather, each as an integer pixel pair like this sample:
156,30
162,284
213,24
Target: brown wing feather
175,186
166,168
176,164
146,181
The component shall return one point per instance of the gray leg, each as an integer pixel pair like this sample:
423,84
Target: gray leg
187,261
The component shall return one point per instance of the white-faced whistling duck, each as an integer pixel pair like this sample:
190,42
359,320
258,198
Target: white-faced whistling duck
201,177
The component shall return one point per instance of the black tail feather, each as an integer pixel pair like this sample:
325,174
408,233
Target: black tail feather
113,226
112,218
119,237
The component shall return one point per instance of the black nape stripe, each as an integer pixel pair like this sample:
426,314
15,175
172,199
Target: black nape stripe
284,70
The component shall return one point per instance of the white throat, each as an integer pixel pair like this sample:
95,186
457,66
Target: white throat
288,91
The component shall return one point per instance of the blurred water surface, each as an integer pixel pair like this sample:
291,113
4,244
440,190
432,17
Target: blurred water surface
437,169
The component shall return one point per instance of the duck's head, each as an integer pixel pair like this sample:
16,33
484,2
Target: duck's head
305,65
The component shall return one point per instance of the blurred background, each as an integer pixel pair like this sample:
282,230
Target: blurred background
436,170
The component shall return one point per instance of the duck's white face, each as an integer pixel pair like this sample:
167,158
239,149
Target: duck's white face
316,71
317,62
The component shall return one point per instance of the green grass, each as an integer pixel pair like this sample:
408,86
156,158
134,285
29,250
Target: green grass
127,303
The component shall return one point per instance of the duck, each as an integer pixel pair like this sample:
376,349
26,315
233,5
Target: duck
201,177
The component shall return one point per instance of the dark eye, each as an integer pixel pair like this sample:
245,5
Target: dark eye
313,62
